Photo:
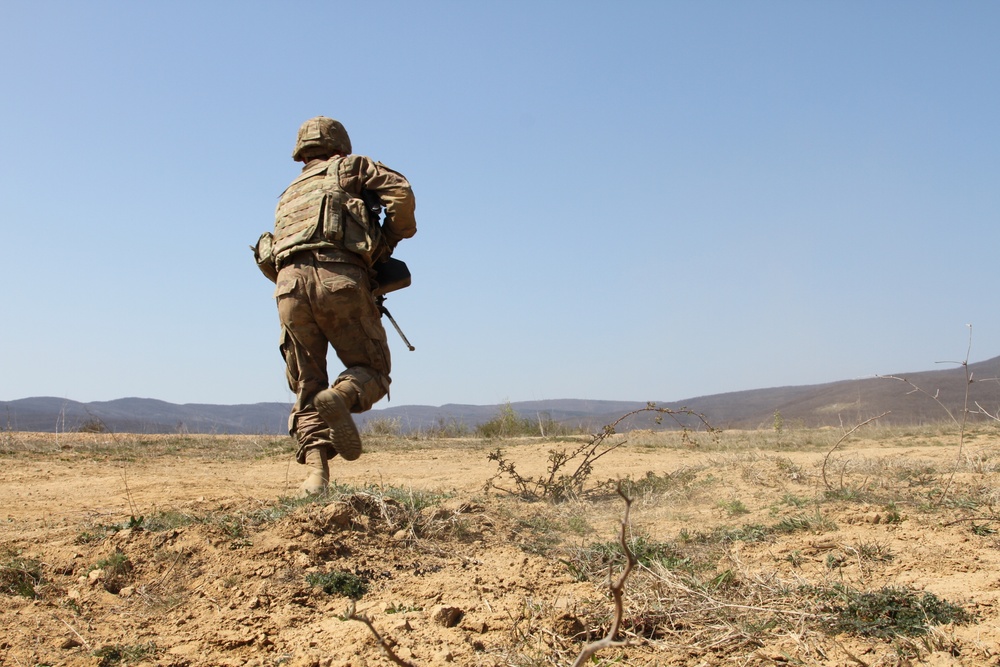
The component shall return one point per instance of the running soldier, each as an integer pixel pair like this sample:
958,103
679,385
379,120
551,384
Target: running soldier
321,255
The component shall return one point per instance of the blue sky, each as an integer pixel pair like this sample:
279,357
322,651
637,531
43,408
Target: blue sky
615,200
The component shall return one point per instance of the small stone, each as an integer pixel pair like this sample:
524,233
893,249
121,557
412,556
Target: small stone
564,603
447,616
337,515
186,650
568,625
475,625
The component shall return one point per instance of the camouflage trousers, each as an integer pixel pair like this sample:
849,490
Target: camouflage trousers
322,303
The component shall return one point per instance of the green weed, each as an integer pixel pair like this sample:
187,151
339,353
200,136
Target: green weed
749,533
734,507
983,529
801,522
793,500
338,582
892,514
887,612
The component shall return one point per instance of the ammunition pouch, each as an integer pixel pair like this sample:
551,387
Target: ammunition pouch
361,235
263,253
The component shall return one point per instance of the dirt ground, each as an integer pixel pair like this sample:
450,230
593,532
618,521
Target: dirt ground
187,552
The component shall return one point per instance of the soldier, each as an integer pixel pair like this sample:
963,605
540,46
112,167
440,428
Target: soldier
321,257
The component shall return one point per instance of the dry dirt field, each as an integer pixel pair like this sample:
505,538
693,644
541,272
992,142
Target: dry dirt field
754,548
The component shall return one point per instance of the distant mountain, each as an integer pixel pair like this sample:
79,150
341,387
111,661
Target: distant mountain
846,402
143,415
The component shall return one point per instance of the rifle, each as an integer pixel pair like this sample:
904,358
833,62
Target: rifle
385,311
391,274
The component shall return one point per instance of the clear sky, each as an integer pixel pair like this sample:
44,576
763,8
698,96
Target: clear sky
615,200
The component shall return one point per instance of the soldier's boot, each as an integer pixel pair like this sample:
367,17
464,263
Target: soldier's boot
334,406
318,478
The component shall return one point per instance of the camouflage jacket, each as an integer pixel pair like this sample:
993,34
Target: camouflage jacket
322,209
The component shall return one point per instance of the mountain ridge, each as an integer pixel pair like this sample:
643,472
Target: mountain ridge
906,398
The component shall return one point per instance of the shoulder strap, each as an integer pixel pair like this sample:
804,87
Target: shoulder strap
332,170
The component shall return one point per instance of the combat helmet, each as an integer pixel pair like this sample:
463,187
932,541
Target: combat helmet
321,135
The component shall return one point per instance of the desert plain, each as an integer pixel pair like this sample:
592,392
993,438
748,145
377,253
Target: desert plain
779,546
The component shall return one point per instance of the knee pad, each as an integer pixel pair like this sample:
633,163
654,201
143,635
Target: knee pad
363,387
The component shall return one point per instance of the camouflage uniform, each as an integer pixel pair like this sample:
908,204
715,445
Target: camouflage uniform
324,246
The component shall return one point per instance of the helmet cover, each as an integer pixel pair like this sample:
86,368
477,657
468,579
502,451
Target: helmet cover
321,136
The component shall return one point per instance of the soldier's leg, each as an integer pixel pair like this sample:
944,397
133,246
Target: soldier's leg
304,350
363,349
350,320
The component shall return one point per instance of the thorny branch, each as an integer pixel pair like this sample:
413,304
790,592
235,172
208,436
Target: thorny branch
352,615
842,439
561,479
965,410
617,593
73,630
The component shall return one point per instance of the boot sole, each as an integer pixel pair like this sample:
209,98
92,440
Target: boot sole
344,433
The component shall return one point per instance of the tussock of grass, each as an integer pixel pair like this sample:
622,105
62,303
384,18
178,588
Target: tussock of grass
593,561
20,575
119,654
652,484
118,570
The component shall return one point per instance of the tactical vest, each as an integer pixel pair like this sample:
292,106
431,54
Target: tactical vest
314,201
315,212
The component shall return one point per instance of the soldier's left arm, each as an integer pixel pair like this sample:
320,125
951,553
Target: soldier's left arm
359,172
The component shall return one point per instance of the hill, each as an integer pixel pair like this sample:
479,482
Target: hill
831,404
908,398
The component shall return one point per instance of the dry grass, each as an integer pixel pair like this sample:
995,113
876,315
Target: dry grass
136,446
